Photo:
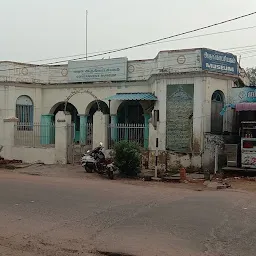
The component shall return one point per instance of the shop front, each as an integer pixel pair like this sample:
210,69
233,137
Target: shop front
242,153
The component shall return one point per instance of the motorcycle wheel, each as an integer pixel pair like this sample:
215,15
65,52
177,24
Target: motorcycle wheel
110,174
88,170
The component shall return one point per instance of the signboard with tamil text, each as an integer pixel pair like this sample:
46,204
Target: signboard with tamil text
244,94
97,70
219,62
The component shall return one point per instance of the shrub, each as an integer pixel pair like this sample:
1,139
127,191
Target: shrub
127,157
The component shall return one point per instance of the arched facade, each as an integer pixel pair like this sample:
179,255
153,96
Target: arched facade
217,104
71,109
25,112
95,106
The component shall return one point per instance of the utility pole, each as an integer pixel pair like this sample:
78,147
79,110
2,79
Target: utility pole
86,33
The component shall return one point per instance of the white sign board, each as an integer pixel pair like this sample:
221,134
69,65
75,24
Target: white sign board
97,70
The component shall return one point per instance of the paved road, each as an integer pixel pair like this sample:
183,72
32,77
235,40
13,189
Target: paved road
64,216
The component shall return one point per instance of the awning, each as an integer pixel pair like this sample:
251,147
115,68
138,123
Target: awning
133,96
246,106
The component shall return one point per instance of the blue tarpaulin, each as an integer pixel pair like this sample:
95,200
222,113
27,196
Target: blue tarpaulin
226,107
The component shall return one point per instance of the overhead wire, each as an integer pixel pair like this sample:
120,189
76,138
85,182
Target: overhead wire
165,38
179,39
161,39
113,63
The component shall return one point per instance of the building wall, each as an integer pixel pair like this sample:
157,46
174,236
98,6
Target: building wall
204,87
48,85
29,73
82,100
34,155
210,143
213,84
44,98
160,87
9,95
178,61
182,61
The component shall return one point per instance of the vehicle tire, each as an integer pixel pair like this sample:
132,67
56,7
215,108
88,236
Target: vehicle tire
110,174
88,170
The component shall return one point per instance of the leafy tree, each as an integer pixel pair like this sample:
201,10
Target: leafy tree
252,75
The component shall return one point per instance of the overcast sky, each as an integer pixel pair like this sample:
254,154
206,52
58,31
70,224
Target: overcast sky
32,30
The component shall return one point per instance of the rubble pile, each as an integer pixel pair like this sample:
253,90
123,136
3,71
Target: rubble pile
8,161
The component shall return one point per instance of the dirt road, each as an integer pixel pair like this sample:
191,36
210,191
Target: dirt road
81,216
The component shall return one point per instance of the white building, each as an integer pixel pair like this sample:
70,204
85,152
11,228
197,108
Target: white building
181,92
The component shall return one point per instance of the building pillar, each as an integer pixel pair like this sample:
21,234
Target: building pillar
146,130
100,129
9,126
126,131
114,121
62,122
83,129
47,131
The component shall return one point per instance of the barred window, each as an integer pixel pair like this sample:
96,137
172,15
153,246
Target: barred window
25,112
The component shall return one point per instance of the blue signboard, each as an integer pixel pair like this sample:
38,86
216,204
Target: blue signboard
244,94
219,62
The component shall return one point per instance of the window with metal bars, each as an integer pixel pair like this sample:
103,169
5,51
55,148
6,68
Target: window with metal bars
24,112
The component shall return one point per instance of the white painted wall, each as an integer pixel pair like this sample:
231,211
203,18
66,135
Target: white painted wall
223,84
170,61
34,155
166,62
29,73
47,155
54,95
203,89
160,89
45,97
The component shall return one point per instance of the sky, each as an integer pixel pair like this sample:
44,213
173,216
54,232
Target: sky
35,30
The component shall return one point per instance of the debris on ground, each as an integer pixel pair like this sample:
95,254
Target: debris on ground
9,164
7,161
217,184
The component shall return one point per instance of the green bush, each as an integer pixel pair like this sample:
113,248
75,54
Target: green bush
127,158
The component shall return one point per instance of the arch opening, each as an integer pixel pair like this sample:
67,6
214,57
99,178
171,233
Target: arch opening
94,106
217,104
71,109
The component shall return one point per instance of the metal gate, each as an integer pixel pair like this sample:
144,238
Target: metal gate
77,149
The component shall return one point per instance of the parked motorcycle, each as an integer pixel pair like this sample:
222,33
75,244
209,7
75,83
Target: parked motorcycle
95,161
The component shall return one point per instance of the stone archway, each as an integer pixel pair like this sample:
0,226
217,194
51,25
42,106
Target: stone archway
81,91
72,110
94,106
